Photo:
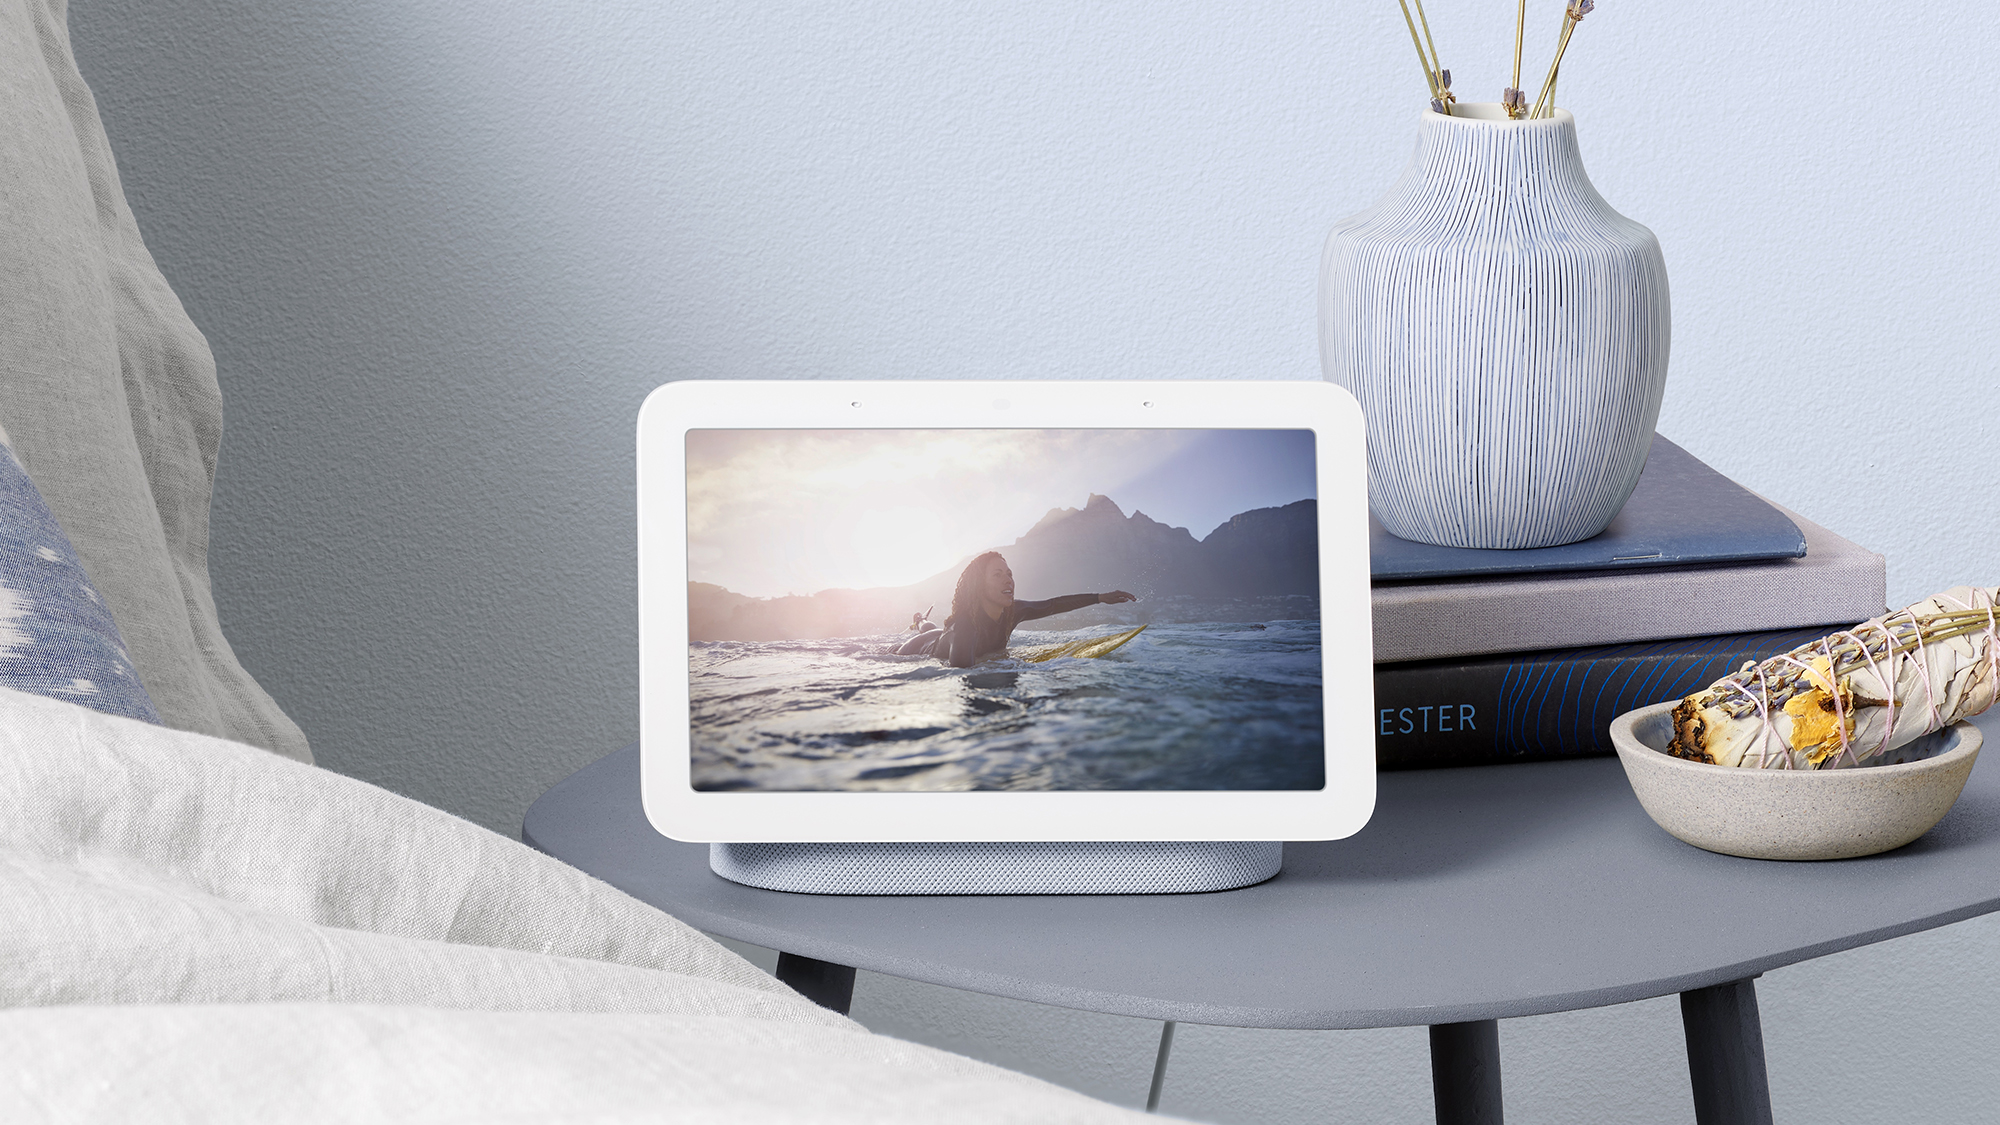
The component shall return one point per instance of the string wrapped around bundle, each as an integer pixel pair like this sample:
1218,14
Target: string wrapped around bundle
1854,697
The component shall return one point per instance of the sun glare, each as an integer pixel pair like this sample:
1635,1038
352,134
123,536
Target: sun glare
896,546
800,511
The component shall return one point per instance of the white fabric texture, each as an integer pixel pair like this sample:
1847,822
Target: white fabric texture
195,930
328,1063
108,389
144,865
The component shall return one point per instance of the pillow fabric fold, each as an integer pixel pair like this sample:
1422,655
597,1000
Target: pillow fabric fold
110,391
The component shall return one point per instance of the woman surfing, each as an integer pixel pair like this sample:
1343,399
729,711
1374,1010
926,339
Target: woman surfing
984,613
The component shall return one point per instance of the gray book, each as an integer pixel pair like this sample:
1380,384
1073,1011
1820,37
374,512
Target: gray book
1836,583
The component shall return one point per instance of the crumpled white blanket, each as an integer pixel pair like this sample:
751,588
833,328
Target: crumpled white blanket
196,930
274,1063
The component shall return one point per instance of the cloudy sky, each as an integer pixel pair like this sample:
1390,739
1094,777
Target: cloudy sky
772,512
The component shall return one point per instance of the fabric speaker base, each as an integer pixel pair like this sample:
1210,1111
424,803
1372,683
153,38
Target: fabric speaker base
984,868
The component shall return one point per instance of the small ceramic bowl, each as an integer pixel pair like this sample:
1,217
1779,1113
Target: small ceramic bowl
1792,814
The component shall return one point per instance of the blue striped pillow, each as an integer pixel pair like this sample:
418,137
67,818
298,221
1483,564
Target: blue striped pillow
56,636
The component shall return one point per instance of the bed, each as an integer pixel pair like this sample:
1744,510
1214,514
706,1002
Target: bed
197,923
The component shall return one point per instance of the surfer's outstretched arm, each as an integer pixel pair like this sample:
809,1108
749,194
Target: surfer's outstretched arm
1029,611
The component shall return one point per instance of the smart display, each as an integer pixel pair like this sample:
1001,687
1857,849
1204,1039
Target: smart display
1004,612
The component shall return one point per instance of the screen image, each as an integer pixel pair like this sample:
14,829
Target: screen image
989,609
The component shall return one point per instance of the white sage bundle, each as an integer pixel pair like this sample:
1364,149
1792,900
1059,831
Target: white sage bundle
1853,697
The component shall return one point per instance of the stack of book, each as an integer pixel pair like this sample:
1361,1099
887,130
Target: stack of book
1506,656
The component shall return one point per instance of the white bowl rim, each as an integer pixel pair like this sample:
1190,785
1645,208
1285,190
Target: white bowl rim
1969,739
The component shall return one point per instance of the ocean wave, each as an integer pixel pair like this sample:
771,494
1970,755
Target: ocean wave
1200,705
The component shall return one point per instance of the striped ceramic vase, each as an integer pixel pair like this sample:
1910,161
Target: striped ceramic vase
1505,332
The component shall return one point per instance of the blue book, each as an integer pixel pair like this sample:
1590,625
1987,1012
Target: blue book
1682,513
1536,706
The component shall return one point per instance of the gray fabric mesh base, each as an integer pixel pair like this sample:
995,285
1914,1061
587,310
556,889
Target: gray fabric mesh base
1037,868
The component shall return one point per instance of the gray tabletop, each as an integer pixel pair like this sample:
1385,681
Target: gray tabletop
1472,894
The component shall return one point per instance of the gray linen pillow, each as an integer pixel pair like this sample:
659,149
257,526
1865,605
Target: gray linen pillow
109,390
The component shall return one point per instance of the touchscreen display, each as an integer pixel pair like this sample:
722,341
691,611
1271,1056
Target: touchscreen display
954,610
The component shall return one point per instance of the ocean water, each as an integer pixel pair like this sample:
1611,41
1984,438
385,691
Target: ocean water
1192,705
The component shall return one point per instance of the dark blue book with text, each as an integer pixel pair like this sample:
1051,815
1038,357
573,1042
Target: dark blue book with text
1536,706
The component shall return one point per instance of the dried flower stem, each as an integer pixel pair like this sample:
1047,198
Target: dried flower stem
1513,99
1545,103
1437,67
1520,29
1443,76
1423,60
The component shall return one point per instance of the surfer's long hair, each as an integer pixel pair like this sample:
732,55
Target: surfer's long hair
965,597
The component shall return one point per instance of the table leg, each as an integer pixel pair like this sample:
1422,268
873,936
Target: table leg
822,982
1725,1041
1160,1066
1465,1072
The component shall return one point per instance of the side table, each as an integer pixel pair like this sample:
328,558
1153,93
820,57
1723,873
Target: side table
1473,895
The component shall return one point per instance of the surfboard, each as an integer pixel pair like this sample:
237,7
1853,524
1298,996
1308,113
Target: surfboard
1089,647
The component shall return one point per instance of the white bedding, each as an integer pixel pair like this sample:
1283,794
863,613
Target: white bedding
273,1063
194,929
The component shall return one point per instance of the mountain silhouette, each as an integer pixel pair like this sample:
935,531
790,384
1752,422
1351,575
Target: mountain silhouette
1258,553
1267,551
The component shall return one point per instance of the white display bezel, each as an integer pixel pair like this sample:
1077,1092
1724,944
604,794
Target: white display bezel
678,810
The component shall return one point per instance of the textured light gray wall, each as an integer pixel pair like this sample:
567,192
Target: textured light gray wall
442,250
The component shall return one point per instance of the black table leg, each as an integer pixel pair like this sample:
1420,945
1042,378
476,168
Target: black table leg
1160,1066
1465,1072
1725,1042
822,982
